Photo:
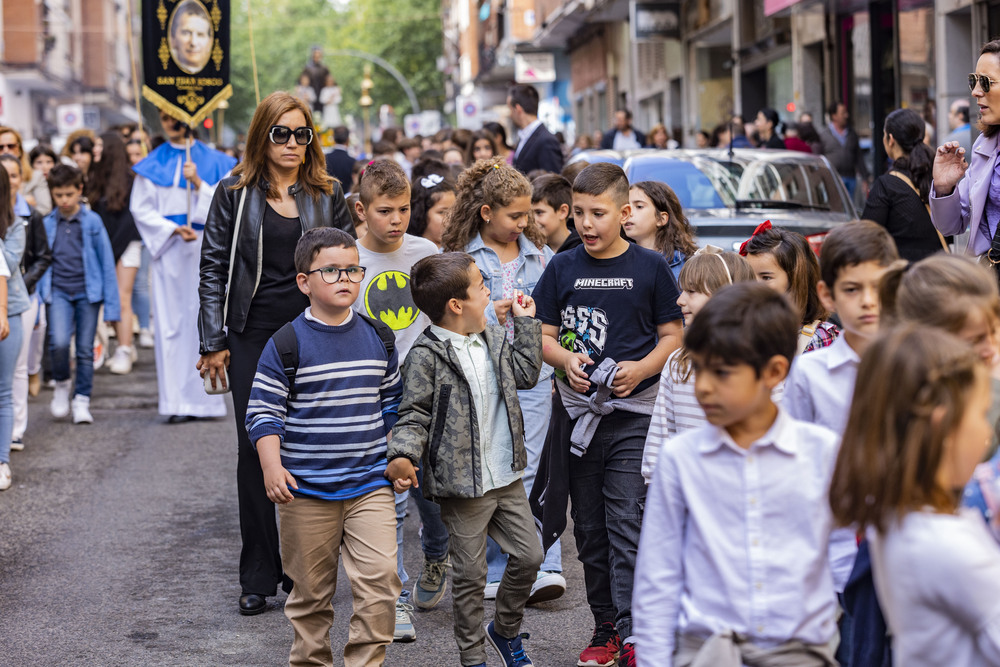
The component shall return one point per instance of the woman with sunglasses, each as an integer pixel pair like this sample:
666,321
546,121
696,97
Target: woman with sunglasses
248,292
11,142
965,193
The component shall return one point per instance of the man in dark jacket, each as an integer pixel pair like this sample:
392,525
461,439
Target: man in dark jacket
338,161
623,136
536,148
840,146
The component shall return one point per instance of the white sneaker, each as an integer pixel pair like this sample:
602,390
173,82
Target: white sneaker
404,630
60,399
17,444
121,362
81,410
490,592
5,477
547,586
145,338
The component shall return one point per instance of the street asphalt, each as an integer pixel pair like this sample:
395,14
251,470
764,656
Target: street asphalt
119,545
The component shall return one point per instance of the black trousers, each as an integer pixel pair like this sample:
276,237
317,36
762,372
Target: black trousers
260,559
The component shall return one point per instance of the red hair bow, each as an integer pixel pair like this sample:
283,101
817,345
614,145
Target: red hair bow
762,227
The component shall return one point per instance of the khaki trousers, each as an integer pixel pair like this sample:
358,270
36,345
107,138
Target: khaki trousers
504,515
314,533
728,649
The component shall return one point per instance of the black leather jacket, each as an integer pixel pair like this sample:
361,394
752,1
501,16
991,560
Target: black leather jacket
37,255
326,211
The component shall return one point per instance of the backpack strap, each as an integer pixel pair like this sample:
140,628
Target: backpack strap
287,344
383,331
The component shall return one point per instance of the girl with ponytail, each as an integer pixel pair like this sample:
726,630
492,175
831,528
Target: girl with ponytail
898,200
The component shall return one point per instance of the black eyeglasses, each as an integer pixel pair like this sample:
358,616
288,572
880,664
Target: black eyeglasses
331,275
983,81
280,134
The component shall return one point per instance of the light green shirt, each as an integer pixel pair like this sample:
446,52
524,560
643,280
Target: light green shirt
496,442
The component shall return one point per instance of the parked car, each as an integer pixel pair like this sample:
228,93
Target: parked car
726,194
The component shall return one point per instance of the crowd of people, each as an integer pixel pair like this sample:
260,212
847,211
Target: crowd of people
495,335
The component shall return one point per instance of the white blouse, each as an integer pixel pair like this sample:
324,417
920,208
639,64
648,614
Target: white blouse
937,577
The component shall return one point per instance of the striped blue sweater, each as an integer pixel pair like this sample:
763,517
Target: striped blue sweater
333,424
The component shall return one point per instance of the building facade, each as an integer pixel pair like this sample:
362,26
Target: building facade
64,65
735,57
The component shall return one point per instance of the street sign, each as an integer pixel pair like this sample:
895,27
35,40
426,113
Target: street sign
69,117
536,67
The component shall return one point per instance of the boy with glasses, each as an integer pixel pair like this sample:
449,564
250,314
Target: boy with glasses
329,481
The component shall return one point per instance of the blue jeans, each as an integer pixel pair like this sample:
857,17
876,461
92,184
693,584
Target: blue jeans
851,184
69,312
400,502
10,347
140,290
608,494
433,532
536,407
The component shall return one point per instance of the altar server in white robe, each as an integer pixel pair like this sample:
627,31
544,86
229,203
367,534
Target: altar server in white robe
160,207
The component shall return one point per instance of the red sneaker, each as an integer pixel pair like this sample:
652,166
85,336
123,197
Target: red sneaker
627,657
603,649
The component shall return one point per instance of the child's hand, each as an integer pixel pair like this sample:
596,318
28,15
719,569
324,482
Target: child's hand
501,307
4,327
575,374
629,375
276,483
522,305
186,233
402,473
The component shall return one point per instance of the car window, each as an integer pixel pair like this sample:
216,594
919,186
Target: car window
693,187
707,181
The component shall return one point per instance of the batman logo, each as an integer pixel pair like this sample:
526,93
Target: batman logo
387,298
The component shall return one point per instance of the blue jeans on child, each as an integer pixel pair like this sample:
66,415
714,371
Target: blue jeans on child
140,290
433,532
69,312
10,347
536,407
400,502
608,494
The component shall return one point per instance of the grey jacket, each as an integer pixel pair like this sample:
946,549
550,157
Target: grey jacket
438,429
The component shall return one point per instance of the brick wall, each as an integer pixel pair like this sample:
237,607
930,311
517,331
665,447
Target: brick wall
96,49
21,32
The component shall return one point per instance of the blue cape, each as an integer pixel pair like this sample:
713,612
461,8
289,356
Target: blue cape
161,165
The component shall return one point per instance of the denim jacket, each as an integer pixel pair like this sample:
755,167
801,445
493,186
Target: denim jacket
532,263
98,263
13,250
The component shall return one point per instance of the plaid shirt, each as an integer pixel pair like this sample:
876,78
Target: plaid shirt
826,333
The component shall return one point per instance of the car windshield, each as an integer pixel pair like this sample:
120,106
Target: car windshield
705,182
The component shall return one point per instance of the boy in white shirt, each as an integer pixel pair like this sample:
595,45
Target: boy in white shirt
853,260
732,563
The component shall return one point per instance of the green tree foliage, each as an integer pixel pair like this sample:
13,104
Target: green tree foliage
406,33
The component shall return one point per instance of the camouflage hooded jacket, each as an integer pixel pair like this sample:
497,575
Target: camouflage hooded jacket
438,428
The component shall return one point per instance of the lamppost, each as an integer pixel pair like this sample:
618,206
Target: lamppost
223,105
366,103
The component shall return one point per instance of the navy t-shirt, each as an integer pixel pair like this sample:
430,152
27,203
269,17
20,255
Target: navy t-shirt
608,307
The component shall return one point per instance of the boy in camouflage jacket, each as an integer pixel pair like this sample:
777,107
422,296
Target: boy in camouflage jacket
460,420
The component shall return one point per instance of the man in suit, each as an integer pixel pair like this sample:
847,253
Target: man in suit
338,161
623,136
536,148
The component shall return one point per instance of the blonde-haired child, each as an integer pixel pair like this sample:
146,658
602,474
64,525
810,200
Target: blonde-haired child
676,408
918,427
491,220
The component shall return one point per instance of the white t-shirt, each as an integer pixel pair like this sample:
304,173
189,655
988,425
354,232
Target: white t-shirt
385,291
937,577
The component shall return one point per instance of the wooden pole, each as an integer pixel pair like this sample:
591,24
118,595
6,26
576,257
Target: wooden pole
135,73
187,158
253,53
